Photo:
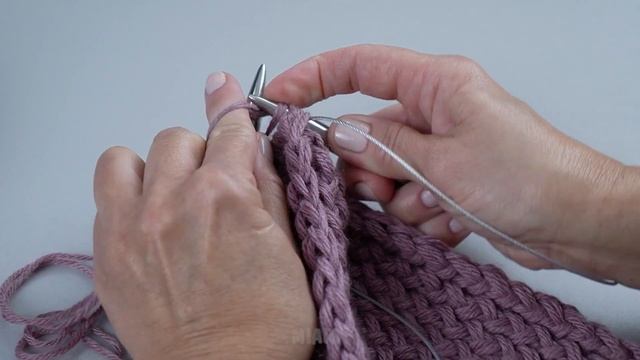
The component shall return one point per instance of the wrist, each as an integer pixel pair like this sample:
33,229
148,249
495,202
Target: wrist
604,227
595,218
619,240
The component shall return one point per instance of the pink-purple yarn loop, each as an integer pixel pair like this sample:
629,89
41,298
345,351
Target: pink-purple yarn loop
253,110
49,335
466,310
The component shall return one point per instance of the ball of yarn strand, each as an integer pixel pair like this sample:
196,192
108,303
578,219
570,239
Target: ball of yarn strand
466,310
49,335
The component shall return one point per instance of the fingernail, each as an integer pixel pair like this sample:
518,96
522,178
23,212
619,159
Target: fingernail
455,226
350,139
428,199
214,82
427,228
364,191
265,147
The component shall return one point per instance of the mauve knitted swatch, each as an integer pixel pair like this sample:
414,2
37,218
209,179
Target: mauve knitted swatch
466,310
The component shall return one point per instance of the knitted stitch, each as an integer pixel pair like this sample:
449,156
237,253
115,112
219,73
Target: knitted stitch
466,310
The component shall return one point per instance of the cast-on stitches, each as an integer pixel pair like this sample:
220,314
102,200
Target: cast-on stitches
466,310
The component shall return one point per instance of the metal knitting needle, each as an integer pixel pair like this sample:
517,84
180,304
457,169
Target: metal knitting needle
259,81
314,123
269,107
258,87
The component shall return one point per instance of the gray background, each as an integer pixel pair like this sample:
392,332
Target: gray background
77,77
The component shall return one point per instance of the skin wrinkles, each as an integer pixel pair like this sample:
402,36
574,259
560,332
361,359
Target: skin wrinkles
194,253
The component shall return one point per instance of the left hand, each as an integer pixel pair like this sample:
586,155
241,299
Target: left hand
194,255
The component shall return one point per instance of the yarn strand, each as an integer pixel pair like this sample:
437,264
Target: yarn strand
382,289
49,335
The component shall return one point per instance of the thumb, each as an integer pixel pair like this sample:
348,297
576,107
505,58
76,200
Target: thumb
418,149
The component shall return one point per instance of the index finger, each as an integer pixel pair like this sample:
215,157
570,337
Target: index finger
380,71
231,143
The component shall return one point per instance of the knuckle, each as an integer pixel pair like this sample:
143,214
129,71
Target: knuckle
106,170
373,48
172,132
190,137
465,63
363,48
465,68
114,154
471,102
215,185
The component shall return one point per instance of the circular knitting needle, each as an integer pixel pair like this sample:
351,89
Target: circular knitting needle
259,81
269,107
316,123
258,87
255,96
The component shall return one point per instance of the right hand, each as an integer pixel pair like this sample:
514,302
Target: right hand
489,151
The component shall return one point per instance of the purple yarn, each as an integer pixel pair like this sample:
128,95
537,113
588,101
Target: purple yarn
49,335
316,196
466,310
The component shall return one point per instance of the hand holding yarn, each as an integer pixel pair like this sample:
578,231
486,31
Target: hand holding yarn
194,257
193,250
486,149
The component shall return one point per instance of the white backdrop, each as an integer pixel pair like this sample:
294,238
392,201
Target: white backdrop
77,77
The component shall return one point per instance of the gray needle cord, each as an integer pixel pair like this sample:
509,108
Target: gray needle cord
401,319
439,194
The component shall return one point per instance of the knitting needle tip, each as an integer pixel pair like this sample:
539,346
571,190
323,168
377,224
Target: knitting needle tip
264,104
259,81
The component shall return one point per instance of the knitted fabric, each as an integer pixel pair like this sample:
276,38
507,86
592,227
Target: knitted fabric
466,310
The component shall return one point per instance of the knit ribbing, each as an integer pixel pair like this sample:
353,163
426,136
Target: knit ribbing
316,197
